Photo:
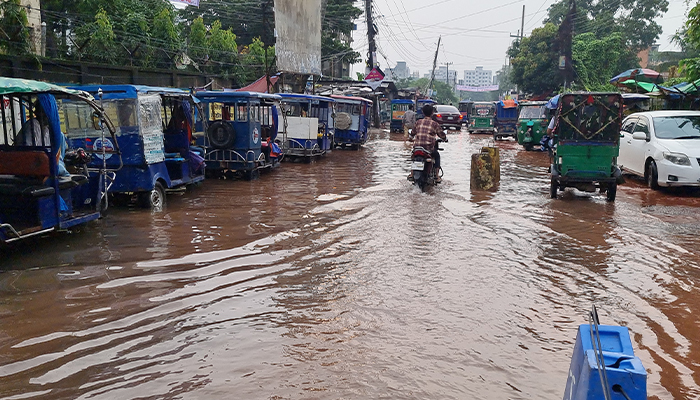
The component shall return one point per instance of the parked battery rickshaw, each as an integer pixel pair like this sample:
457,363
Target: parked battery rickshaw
532,123
398,109
465,108
154,130
46,184
309,124
506,119
420,103
241,135
481,118
351,121
587,143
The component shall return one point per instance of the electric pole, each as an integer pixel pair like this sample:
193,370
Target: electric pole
370,36
432,74
447,80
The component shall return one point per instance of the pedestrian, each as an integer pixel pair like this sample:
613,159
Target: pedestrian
409,121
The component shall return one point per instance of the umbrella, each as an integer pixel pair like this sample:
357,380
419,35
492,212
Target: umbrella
553,102
639,75
646,86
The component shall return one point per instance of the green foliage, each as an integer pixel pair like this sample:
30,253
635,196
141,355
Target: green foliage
257,60
338,21
534,62
597,60
360,76
97,39
635,19
248,19
14,33
197,48
444,93
690,36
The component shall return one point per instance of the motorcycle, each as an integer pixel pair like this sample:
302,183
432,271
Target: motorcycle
423,173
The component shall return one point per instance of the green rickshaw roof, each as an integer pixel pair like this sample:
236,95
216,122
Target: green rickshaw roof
14,85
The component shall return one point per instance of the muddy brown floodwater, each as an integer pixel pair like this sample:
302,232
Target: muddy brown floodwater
338,279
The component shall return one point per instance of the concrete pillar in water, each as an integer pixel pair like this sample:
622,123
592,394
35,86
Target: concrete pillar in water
486,169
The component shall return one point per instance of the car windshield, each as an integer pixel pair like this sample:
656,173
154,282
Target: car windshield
447,109
533,112
677,127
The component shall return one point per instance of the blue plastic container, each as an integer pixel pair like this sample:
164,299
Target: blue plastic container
624,370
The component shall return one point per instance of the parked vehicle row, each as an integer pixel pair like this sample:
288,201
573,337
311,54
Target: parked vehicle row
65,155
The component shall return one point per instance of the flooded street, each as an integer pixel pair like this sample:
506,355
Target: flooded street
338,279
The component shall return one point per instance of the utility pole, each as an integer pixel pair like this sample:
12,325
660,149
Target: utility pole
447,80
371,61
432,74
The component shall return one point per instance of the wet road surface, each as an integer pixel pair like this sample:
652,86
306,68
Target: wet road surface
338,279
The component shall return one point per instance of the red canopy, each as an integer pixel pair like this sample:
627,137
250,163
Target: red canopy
259,86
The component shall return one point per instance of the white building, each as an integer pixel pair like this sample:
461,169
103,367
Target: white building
401,71
478,77
441,75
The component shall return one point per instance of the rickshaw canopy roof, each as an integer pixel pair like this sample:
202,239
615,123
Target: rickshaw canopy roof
15,85
350,99
129,91
300,96
431,101
402,101
223,96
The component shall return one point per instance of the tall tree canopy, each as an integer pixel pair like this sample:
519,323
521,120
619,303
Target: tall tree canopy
534,61
689,37
635,19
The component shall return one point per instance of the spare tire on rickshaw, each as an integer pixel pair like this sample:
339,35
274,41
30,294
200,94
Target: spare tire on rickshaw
221,135
343,121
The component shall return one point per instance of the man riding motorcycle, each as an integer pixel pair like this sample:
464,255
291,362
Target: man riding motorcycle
424,135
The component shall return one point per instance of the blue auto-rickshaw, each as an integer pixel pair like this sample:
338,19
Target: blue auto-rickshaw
351,120
419,107
398,109
154,129
46,184
241,134
506,119
309,124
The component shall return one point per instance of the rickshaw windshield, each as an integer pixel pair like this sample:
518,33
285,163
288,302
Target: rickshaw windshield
400,107
464,107
353,109
677,127
533,112
483,110
78,119
585,118
237,112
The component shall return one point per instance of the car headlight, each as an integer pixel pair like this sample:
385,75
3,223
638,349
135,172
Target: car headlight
677,158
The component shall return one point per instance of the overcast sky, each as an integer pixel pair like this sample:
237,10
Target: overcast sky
474,33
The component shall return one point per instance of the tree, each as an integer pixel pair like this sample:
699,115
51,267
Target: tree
257,60
443,91
635,19
534,62
14,32
338,21
96,40
597,60
248,19
690,35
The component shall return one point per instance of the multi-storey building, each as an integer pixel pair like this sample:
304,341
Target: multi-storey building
478,77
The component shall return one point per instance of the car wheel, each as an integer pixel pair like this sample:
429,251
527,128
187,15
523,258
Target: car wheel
652,176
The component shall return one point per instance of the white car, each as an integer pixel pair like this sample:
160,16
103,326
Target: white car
662,146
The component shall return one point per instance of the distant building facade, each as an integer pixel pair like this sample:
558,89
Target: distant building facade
478,77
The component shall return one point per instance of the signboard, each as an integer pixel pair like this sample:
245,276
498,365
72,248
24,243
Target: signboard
374,78
489,88
298,35
562,62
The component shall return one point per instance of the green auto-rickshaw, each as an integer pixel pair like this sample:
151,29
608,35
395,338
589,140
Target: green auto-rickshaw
481,117
532,123
587,143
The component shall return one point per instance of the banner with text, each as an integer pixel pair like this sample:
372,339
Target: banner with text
489,88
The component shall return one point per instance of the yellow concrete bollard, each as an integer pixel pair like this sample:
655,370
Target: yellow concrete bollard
486,169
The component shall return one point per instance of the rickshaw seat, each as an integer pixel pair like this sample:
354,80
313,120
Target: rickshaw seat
25,163
23,189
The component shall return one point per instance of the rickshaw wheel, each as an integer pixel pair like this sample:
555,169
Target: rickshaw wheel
250,175
612,191
553,187
155,199
652,176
